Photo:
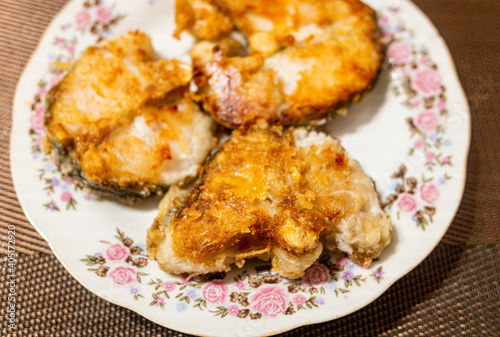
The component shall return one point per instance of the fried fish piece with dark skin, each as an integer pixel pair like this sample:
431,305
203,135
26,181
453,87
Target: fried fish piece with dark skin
276,195
122,124
305,59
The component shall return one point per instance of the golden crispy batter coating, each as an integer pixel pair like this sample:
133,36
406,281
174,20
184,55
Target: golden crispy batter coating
109,80
119,119
233,198
271,194
143,157
316,56
202,19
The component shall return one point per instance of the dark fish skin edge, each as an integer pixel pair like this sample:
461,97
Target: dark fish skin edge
69,166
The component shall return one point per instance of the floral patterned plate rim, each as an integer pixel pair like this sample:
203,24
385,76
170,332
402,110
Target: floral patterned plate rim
411,135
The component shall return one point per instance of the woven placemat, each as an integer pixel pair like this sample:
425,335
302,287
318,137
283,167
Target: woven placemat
22,24
454,292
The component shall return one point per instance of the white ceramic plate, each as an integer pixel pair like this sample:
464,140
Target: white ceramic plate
411,135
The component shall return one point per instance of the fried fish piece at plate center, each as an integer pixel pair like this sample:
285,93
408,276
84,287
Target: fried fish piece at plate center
305,59
272,194
121,122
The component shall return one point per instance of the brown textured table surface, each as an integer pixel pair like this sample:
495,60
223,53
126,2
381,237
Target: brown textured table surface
454,292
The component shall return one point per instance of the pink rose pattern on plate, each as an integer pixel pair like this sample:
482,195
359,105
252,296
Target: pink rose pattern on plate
269,300
215,293
95,18
262,294
123,275
83,19
104,15
117,253
316,275
399,52
407,203
419,81
266,294
427,81
427,121
258,295
429,193
120,262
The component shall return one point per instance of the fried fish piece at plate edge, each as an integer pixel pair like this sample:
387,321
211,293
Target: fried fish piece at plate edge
122,123
303,65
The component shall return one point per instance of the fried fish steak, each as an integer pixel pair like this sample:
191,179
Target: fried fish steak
122,124
303,60
270,194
